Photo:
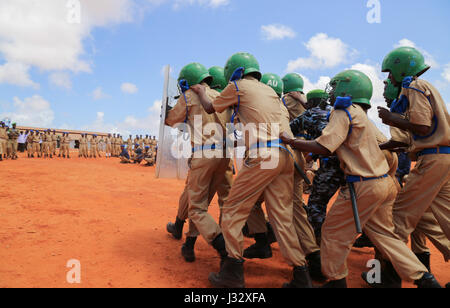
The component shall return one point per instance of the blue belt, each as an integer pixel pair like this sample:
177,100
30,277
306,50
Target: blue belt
439,150
268,144
205,148
356,179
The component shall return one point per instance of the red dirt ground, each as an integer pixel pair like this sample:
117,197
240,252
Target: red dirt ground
112,218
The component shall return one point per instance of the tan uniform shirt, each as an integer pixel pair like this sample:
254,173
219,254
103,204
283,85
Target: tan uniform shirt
259,104
295,108
199,136
421,111
391,157
3,134
358,152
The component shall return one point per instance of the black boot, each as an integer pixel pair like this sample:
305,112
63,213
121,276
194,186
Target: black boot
260,250
336,284
447,286
425,259
245,232
389,278
301,279
315,266
219,246
363,241
231,275
187,251
427,282
271,234
176,229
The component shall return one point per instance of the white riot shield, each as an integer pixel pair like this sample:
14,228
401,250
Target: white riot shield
174,147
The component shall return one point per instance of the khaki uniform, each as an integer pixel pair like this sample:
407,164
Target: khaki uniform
84,142
257,220
36,146
13,138
3,140
54,144
130,145
260,105
93,151
360,156
413,201
65,144
30,144
108,149
428,226
207,175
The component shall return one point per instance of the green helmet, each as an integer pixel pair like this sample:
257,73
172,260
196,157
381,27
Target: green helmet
391,92
293,83
352,83
319,94
219,82
274,81
244,60
404,62
195,73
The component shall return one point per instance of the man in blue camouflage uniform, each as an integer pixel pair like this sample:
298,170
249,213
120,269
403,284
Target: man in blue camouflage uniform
329,177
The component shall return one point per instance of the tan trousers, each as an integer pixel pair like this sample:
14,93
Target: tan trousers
428,227
45,149
375,200
206,176
275,185
427,188
36,149
108,149
2,148
257,220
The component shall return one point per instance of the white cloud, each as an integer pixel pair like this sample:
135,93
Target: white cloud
32,111
446,73
429,59
325,52
277,32
15,73
61,79
320,84
98,94
129,88
38,34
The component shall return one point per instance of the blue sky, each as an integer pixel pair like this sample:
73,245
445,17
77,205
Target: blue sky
105,73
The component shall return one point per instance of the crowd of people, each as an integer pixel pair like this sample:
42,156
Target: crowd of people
49,144
330,126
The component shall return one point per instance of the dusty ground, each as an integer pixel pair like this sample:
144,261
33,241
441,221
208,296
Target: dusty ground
112,218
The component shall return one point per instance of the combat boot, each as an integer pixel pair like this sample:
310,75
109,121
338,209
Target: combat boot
271,234
176,229
363,242
315,266
425,259
231,275
260,250
389,278
428,281
187,250
336,284
447,286
301,279
219,245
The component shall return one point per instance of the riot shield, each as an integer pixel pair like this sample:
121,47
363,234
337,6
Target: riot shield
174,146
